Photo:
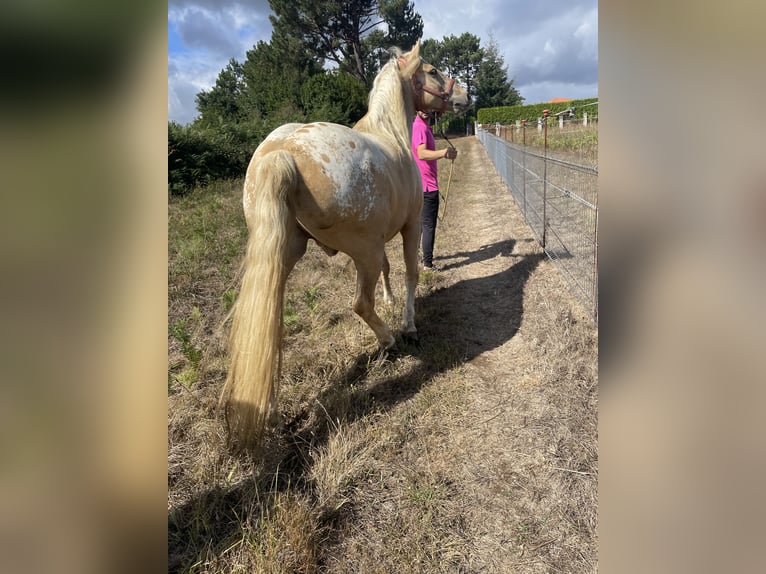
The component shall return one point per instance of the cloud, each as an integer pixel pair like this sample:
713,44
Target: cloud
550,48
187,76
209,33
205,30
562,51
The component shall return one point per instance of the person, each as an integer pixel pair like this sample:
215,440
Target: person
426,156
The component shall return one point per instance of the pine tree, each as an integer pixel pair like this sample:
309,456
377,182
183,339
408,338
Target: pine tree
492,85
222,102
337,31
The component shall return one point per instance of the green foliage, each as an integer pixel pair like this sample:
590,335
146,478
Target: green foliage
311,298
431,52
291,318
179,330
228,298
198,156
273,74
334,97
451,124
509,114
461,57
223,102
336,31
492,85
404,25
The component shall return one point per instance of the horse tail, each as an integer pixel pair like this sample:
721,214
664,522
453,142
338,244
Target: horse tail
255,347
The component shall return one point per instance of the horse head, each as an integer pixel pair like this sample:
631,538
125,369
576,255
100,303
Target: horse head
433,90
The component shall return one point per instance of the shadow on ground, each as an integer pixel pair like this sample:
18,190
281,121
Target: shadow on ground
456,324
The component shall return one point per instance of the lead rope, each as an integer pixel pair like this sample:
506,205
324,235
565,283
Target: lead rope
451,167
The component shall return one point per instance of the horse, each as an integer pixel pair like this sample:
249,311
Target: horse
350,190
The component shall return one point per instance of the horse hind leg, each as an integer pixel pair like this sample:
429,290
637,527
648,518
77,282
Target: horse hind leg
388,295
367,273
297,242
410,242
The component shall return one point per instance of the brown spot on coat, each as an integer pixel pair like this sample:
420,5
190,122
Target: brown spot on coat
325,158
352,144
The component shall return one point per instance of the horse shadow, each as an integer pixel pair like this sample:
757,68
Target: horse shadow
450,330
484,253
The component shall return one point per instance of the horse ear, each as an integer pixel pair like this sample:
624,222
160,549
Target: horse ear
412,59
416,49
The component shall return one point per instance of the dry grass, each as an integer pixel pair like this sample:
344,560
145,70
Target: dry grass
474,451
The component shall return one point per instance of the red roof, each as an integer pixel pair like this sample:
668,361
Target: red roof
556,100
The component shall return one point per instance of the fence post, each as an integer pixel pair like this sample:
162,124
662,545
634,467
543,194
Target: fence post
594,303
585,118
545,173
561,122
524,168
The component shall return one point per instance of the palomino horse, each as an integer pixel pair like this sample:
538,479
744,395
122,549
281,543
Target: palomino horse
350,190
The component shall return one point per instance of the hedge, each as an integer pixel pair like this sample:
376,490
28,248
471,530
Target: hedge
509,114
198,156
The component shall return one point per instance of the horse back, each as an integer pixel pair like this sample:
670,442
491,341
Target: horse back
350,182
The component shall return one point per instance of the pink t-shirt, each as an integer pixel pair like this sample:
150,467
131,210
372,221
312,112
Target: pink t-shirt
422,134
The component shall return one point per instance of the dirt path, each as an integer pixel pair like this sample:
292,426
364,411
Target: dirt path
522,442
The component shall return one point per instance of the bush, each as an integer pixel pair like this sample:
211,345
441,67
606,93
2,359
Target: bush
335,97
198,156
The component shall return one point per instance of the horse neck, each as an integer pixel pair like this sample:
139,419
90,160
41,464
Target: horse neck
391,109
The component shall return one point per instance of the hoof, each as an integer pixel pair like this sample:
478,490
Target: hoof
410,336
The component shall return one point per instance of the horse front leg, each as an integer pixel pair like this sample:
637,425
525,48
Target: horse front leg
411,241
368,270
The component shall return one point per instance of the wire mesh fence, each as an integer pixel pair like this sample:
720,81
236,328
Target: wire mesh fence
555,186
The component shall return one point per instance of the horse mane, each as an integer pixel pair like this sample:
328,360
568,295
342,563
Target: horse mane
389,110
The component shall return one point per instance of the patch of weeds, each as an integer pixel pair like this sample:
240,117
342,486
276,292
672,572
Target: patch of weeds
188,377
311,298
428,279
425,493
179,330
524,533
291,319
228,298
190,252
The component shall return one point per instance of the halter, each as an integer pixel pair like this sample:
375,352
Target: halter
420,87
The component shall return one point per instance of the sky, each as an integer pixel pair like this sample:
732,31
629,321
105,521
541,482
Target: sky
549,46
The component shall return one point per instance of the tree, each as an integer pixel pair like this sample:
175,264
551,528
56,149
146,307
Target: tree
461,58
404,25
336,31
493,88
222,102
432,52
273,74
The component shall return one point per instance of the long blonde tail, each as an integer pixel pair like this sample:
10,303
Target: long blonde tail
256,334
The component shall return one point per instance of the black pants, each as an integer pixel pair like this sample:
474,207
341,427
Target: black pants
428,223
